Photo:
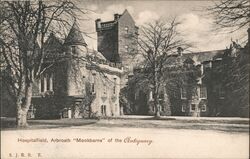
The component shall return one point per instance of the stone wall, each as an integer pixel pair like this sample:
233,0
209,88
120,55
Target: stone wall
107,44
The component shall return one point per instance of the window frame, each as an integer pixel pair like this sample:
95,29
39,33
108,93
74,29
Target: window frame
105,89
182,97
220,90
103,110
151,98
204,106
191,106
126,29
42,86
183,107
114,87
201,88
127,48
48,82
93,88
73,49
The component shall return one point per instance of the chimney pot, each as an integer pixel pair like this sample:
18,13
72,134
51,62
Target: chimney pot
179,50
116,16
98,23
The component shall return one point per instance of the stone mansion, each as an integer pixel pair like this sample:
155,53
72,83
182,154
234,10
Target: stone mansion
84,83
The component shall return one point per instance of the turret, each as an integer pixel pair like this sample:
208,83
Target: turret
75,36
75,42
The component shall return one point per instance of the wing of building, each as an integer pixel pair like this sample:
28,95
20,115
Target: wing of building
80,82
210,83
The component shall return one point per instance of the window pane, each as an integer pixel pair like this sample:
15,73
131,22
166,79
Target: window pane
126,29
92,87
203,108
42,84
193,107
183,93
104,89
48,82
73,49
203,92
221,92
114,87
195,93
183,107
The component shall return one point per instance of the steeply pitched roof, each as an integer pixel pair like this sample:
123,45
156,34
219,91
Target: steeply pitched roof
75,37
204,56
127,15
53,43
196,57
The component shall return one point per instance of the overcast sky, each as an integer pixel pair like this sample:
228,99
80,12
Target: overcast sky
196,25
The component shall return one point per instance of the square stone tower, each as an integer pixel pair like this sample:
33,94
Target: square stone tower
117,40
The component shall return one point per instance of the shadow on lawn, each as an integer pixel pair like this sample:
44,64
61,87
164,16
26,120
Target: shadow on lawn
10,123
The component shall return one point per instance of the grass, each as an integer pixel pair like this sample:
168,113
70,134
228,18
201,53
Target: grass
10,123
232,125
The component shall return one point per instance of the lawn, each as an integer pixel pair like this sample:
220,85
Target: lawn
219,124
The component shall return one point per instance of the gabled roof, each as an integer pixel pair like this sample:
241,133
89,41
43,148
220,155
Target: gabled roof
75,36
52,43
126,13
117,17
204,56
196,57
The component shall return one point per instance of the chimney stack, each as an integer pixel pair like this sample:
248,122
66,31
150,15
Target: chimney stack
180,50
98,24
116,17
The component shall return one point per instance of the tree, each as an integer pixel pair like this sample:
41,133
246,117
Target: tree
85,106
236,81
24,27
231,14
234,15
157,41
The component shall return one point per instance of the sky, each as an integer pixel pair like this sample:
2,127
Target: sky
196,25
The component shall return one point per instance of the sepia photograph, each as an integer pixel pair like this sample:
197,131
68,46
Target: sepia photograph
164,79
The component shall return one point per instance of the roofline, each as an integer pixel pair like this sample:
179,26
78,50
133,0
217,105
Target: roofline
215,51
